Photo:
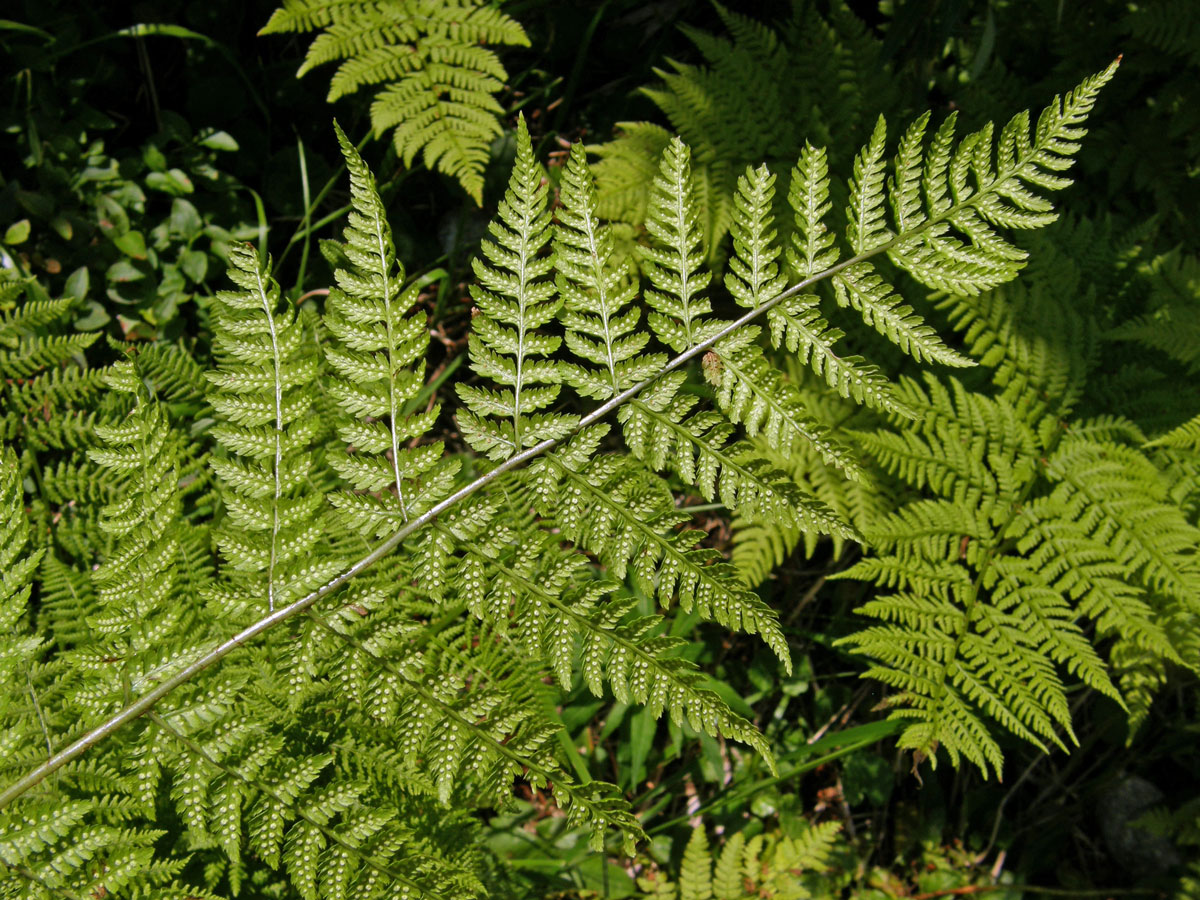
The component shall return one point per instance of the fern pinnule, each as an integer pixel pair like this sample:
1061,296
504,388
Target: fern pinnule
515,300
380,357
596,288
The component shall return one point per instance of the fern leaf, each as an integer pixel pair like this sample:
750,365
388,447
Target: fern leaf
605,506
380,357
675,264
20,646
596,289
798,325
658,430
436,77
261,396
514,300
813,249
139,624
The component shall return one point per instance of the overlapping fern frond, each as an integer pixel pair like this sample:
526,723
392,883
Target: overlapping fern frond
1031,524
435,75
45,384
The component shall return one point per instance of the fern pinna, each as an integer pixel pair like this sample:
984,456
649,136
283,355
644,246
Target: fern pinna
341,753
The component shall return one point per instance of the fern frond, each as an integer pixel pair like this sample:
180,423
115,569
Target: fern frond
543,596
750,391
140,631
1184,437
380,358
797,324
20,645
437,79
993,577
675,264
514,300
657,429
763,866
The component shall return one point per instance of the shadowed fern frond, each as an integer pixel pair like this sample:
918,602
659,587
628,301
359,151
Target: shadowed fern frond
435,75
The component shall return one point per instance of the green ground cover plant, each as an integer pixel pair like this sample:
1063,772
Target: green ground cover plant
747,505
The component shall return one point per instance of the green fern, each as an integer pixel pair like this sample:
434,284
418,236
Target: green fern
437,79
380,360
267,426
514,300
763,866
340,755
